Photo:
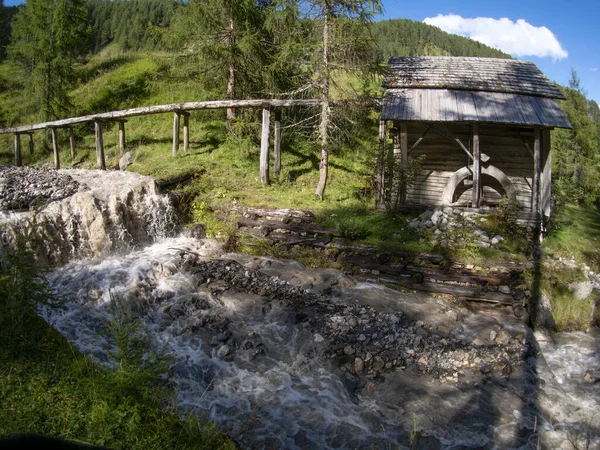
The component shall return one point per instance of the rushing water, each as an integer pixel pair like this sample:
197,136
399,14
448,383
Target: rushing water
266,379
276,389
246,361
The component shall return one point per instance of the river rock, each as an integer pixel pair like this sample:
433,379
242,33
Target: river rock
582,289
502,338
125,161
359,366
542,314
223,351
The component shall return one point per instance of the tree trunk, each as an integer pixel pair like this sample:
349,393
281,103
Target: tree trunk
231,75
325,111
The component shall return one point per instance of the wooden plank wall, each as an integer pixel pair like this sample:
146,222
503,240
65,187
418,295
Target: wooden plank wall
503,144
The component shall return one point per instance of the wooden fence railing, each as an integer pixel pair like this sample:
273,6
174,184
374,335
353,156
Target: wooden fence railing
179,109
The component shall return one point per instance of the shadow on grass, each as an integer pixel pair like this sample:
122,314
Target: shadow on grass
89,72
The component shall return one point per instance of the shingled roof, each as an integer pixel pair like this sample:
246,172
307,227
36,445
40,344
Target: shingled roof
473,74
461,89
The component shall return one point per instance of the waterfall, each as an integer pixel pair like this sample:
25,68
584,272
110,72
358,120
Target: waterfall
110,212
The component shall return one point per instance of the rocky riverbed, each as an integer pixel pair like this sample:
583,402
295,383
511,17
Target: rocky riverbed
66,214
25,188
288,357
282,356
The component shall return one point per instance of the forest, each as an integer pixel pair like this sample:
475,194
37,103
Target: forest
104,55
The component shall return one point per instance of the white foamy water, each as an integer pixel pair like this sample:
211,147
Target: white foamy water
112,211
276,389
273,387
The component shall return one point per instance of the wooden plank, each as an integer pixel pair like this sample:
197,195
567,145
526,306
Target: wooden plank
18,157
419,140
476,168
546,181
72,143
285,215
277,142
161,109
186,132
31,144
380,188
100,160
121,137
278,225
537,168
403,156
55,148
175,133
264,145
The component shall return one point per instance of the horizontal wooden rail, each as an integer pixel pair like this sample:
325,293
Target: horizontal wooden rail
160,109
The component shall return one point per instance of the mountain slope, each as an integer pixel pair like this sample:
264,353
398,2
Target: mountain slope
404,37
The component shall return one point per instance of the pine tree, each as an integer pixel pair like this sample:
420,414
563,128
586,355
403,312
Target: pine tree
343,40
576,159
47,37
227,38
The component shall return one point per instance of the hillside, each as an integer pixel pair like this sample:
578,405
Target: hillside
404,37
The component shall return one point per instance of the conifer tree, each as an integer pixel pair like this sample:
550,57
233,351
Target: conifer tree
47,36
575,152
226,37
344,47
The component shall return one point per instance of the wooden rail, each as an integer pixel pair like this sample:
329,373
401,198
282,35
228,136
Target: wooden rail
179,109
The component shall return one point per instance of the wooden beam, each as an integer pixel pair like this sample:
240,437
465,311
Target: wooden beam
380,188
264,145
537,168
121,137
100,161
186,132
443,131
18,157
418,141
404,155
161,109
277,142
476,167
546,179
31,144
55,148
72,143
176,132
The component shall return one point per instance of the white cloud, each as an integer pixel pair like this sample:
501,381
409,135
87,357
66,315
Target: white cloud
517,38
594,69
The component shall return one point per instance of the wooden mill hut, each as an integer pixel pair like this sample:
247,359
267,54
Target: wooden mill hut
482,127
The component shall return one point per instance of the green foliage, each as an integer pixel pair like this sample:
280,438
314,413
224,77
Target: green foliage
575,233
508,213
139,367
404,37
404,176
227,40
47,57
7,14
132,24
576,152
48,387
569,313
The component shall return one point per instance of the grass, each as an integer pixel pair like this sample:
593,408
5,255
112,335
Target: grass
230,163
575,237
47,387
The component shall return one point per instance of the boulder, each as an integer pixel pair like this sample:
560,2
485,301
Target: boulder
542,314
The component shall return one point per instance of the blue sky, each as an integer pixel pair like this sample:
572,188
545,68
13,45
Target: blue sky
575,26
570,39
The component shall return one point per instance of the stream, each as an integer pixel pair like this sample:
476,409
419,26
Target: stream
283,356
